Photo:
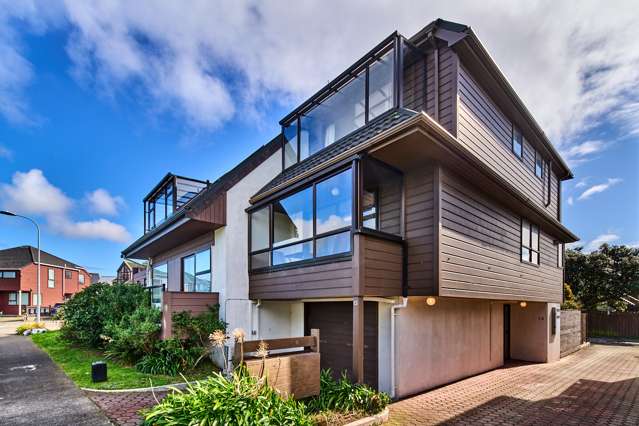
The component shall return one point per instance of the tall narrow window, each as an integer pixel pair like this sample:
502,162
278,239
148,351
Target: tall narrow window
196,272
51,278
260,240
518,142
290,144
80,278
333,213
68,275
529,242
548,184
13,299
539,165
369,209
293,223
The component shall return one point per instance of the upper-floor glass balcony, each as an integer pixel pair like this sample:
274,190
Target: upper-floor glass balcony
367,89
168,197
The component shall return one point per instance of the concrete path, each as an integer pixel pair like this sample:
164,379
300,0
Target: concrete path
598,385
34,391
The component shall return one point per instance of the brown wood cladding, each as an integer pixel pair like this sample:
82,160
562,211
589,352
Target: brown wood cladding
381,266
326,280
486,131
419,230
448,89
480,250
213,212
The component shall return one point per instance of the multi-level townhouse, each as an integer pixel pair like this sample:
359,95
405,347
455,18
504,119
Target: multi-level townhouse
59,279
409,210
131,271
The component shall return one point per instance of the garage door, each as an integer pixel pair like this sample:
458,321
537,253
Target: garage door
335,322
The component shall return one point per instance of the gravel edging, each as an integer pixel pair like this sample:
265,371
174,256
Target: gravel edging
376,419
162,388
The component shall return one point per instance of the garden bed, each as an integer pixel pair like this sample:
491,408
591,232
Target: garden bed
76,362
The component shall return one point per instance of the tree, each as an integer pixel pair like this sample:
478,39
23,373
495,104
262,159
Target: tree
601,279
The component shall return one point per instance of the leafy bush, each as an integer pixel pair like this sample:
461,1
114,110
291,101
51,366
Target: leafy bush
133,336
28,326
344,396
196,329
570,302
244,400
168,357
88,311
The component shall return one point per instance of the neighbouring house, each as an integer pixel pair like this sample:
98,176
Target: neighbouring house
59,279
131,271
410,210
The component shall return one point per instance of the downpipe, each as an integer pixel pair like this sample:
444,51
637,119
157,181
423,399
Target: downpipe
394,312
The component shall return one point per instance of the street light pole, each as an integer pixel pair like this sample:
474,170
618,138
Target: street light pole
39,304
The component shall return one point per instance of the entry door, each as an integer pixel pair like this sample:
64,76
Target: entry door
506,332
335,323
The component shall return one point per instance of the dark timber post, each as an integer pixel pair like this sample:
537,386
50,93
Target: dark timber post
358,339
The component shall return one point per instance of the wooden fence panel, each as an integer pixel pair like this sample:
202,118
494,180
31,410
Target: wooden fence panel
617,324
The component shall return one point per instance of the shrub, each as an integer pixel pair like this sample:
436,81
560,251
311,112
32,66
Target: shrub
570,301
28,326
244,400
344,396
133,336
196,329
88,311
168,358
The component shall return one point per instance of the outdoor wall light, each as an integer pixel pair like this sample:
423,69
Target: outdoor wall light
430,301
523,304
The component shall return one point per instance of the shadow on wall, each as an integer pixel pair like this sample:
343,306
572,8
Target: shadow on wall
584,402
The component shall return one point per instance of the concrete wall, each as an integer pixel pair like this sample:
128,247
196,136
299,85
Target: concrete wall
438,344
173,259
280,319
230,252
531,337
570,331
384,347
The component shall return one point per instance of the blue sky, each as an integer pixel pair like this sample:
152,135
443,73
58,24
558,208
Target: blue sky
99,101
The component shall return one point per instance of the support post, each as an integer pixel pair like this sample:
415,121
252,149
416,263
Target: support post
358,339
19,302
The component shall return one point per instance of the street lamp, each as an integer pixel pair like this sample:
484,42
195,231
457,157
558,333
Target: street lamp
6,213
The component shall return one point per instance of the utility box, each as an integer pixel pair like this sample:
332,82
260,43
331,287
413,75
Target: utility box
99,371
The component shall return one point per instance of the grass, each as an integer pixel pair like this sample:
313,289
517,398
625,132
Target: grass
76,363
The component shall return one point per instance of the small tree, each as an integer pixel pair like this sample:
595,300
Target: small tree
601,279
570,302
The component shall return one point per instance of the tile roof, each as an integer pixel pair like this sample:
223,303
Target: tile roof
359,136
19,257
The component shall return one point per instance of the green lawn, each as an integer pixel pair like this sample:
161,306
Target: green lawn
76,363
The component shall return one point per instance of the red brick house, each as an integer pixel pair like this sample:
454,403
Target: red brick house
59,279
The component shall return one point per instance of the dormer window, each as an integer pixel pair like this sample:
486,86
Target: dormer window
518,143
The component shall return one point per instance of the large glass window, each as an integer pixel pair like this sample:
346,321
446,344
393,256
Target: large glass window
160,275
292,218
301,232
529,242
334,203
196,272
8,274
334,118
380,85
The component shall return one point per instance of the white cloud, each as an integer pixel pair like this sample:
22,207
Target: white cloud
634,244
599,240
581,183
6,153
102,202
582,152
210,60
595,189
571,201
30,193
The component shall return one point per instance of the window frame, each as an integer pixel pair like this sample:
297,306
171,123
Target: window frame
14,302
4,273
68,274
514,130
195,272
540,158
529,247
314,236
50,281
81,279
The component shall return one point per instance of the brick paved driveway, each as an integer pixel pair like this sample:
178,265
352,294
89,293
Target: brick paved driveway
597,385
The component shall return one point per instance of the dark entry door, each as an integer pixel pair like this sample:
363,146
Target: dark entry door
335,322
506,332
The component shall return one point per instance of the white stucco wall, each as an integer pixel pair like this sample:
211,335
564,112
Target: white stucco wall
231,246
531,338
384,345
280,319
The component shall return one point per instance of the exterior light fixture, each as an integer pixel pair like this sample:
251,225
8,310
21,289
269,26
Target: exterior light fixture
430,301
523,304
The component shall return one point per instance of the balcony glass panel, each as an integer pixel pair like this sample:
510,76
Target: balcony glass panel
380,85
290,144
188,273
294,253
160,275
335,117
334,202
333,244
293,218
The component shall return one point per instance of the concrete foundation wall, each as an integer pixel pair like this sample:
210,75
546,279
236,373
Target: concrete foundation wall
438,344
531,336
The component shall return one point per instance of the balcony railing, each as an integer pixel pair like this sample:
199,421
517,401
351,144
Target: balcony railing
168,197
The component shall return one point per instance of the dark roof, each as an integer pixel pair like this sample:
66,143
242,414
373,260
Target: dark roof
213,190
19,257
378,125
